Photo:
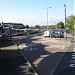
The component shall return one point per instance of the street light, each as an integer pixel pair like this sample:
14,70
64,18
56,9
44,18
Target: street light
65,35
47,16
65,16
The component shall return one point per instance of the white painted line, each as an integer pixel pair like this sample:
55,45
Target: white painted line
73,55
43,56
28,62
22,46
72,65
72,61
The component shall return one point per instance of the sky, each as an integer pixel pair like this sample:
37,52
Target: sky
33,12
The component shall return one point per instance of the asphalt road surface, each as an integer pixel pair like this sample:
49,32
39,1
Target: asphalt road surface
67,64
12,62
15,66
43,54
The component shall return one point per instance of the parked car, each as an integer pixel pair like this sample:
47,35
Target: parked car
58,33
1,31
54,33
46,33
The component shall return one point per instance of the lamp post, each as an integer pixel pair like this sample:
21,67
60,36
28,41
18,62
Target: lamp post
65,34
47,16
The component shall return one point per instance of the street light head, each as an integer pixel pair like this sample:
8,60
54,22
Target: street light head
50,7
64,5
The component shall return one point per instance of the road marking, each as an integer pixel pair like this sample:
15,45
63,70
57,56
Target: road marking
72,61
73,57
29,47
22,46
72,65
53,70
43,56
73,53
28,62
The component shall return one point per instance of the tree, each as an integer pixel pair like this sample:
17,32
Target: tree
49,27
70,22
37,27
43,27
27,26
60,25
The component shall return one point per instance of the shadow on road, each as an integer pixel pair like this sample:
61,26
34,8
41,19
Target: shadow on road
42,60
6,43
12,62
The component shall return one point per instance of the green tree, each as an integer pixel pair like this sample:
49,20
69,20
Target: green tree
49,27
43,27
60,25
37,27
27,26
70,22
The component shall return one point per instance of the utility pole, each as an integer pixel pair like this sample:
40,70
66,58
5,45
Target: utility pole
65,16
47,16
65,34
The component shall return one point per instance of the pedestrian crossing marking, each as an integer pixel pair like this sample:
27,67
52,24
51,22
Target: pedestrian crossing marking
72,65
72,61
73,55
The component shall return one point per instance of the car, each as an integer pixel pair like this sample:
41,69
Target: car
59,34
46,33
1,31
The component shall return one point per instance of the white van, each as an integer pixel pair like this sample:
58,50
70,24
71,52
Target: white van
47,33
